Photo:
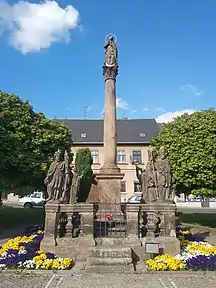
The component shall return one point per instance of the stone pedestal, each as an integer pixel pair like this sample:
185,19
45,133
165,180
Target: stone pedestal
109,186
161,217
52,211
79,249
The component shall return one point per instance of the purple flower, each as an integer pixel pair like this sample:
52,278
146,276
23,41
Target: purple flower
202,262
50,255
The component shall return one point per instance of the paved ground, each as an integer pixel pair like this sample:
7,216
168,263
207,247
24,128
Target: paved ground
83,280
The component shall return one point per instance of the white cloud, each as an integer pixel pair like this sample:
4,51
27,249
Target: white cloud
169,116
191,89
121,104
36,26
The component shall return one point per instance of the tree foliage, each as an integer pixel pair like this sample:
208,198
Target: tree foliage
28,141
83,164
191,144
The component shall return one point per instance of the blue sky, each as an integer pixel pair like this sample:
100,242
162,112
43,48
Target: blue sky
53,57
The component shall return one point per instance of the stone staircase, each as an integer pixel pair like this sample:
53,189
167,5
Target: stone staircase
110,256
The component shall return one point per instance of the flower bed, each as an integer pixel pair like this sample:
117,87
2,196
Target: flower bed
197,254
23,252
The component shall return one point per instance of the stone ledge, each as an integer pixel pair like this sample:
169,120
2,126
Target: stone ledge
109,176
77,207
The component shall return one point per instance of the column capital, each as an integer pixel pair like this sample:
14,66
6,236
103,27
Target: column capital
110,72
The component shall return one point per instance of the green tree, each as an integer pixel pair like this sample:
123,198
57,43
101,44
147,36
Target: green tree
83,164
191,144
28,141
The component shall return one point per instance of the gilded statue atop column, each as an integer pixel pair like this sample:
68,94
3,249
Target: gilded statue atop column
111,52
110,67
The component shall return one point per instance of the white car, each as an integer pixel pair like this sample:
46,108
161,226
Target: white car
136,198
36,199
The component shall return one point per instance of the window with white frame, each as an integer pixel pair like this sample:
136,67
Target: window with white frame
121,156
123,187
137,187
137,156
95,156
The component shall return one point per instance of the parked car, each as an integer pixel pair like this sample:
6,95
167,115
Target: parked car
36,199
136,198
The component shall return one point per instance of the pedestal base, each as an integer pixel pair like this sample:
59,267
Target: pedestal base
109,186
79,249
167,245
109,168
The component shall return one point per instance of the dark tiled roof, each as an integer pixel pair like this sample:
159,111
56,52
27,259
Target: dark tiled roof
128,130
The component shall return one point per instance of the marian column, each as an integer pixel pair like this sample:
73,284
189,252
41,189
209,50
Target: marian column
109,177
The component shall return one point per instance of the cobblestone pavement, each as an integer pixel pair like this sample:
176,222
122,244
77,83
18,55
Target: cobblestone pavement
84,280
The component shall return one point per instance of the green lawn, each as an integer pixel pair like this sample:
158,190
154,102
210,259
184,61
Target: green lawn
207,220
14,220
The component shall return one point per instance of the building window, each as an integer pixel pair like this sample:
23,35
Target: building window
137,187
123,187
95,156
137,157
121,156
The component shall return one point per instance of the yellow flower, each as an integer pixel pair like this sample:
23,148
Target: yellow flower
56,264
204,248
164,263
186,232
47,264
67,262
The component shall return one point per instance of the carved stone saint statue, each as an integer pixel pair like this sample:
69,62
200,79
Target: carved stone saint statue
111,52
55,178
68,177
150,178
157,180
140,173
75,186
163,176
147,179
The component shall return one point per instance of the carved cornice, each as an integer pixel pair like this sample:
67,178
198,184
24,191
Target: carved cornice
110,72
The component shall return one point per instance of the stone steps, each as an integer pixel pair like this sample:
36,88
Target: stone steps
108,261
106,252
110,258
108,242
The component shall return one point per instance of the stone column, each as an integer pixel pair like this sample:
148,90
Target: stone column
110,133
109,176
